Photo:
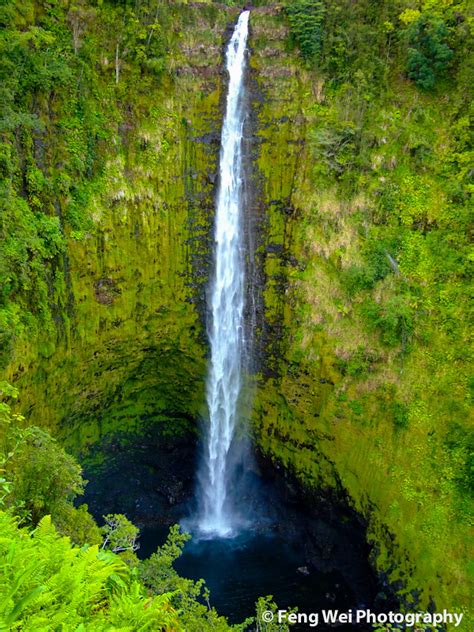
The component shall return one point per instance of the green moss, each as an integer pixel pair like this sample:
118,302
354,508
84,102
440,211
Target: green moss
367,368
119,321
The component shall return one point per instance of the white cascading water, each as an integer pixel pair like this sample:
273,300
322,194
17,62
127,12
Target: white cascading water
226,303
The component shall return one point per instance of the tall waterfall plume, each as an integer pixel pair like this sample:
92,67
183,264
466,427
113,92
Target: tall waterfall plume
226,304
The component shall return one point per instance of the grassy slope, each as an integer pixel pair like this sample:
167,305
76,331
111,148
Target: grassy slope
372,395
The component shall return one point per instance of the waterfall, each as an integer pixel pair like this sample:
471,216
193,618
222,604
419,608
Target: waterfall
226,304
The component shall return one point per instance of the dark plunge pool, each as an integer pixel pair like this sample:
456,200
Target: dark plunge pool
305,551
239,570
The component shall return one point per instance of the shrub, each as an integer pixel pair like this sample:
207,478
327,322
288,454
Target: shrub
428,53
48,584
393,319
306,20
400,415
335,145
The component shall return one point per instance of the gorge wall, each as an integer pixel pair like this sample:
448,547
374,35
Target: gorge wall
121,333
106,330
356,355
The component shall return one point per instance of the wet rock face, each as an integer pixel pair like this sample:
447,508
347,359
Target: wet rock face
334,536
149,478
106,291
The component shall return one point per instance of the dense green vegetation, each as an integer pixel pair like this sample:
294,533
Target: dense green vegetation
381,278
48,584
101,106
66,86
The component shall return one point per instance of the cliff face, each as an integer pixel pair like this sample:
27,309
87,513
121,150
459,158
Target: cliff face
349,397
122,337
344,402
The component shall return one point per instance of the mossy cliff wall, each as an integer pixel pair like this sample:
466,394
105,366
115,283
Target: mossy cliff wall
348,397
338,404
124,337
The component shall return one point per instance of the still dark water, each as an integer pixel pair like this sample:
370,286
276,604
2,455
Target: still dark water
237,571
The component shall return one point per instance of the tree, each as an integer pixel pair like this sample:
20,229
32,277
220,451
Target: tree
79,16
119,534
306,19
428,52
44,477
38,478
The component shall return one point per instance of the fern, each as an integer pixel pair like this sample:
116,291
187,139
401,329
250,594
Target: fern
46,583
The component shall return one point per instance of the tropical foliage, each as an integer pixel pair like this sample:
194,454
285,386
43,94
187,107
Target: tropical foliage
46,583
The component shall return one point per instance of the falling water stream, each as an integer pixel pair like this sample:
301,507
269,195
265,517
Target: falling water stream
226,305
